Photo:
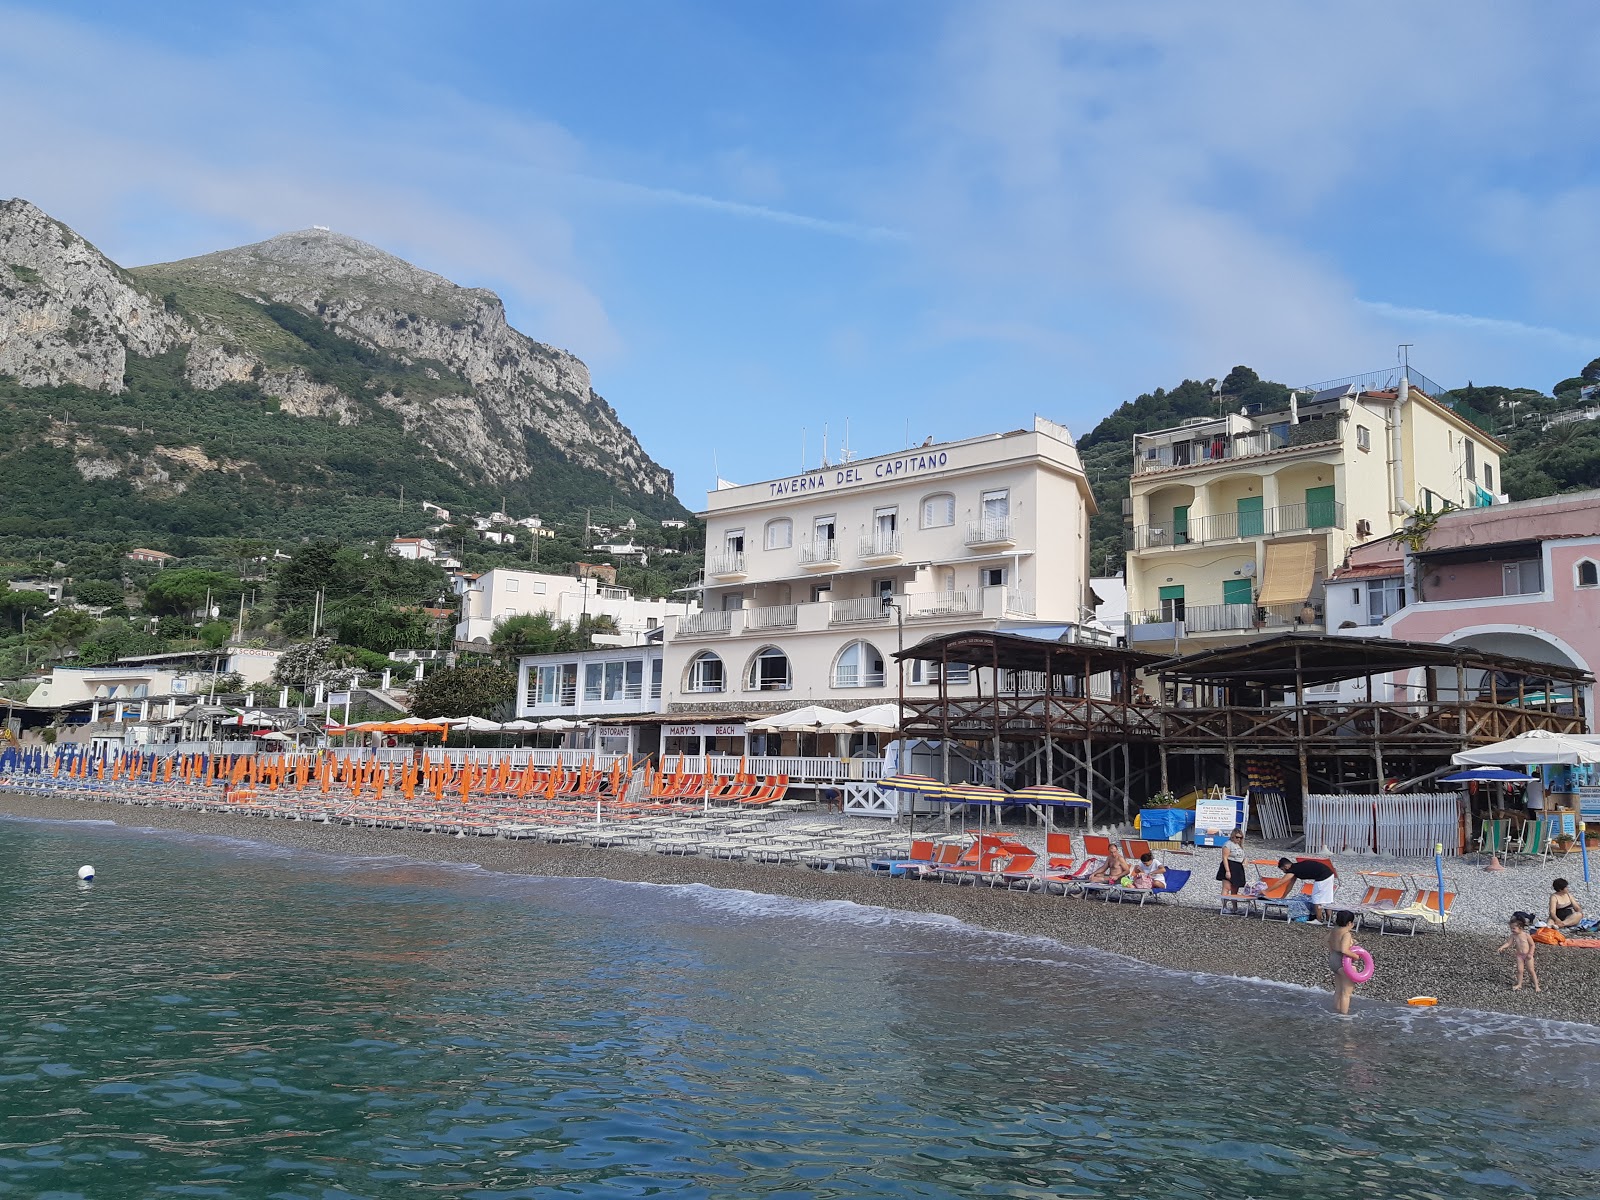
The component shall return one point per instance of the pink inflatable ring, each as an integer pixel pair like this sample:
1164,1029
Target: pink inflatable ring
1360,969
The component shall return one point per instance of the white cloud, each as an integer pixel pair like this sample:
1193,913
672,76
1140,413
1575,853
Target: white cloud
1495,326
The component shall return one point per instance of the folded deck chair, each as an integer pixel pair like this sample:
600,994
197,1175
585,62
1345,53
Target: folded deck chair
1427,908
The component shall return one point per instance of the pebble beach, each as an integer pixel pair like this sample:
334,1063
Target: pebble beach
1458,965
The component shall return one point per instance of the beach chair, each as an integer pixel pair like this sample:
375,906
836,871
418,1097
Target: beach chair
921,855
1494,838
1135,848
1276,895
1059,852
1018,869
1428,908
1536,838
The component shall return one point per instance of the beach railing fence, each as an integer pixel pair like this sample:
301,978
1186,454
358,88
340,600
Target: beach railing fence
1400,824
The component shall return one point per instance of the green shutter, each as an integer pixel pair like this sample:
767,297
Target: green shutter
1251,520
1236,591
1180,525
1319,507
1175,592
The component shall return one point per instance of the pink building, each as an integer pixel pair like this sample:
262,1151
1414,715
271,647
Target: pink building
1520,579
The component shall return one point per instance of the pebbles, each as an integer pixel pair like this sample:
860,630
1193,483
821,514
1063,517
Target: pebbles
1459,965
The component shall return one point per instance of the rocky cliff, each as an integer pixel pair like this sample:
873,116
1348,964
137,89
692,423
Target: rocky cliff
329,329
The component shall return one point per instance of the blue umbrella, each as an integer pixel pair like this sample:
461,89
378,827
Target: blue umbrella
1487,775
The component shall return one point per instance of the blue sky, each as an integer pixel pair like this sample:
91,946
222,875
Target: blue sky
756,219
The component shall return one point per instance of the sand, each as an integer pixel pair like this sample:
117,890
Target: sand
1458,967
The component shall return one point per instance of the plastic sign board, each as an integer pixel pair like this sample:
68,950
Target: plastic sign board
1215,817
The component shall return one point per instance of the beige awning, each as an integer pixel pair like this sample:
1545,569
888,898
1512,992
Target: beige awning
1290,569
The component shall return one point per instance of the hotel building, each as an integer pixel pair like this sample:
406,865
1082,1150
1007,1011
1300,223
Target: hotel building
1235,520
812,582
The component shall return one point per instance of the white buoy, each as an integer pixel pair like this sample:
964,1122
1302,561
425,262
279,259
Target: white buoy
86,874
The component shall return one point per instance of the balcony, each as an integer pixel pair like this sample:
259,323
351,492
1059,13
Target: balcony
881,548
726,566
820,555
861,611
1192,620
1211,445
933,606
776,616
1231,527
706,624
991,533
1020,604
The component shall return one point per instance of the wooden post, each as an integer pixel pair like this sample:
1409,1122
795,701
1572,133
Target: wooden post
995,659
1049,774
1299,725
944,722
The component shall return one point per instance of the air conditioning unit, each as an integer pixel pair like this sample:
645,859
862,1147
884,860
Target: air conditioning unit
1363,529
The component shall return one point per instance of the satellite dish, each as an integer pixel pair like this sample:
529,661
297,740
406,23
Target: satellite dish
1249,569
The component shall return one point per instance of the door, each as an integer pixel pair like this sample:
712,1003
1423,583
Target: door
1180,525
1252,518
1236,591
1319,507
1172,603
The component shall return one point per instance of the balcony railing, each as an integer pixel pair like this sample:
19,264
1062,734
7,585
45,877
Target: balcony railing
820,554
854,612
991,531
1020,604
1214,446
1231,618
848,677
928,605
706,624
628,691
731,563
776,616
1229,527
880,545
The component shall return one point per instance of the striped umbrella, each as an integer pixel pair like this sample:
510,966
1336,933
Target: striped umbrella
1051,798
974,793
915,785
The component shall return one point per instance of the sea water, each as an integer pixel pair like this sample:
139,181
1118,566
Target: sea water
217,1018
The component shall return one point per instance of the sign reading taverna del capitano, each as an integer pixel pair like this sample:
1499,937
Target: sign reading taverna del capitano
888,468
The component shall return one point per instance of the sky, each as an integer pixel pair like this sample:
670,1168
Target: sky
761,224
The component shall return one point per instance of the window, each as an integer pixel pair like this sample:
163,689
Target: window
769,671
996,513
992,577
732,601
633,685
1363,438
705,673
938,511
822,531
1588,574
1385,597
1237,591
655,679
821,593
1470,449
733,541
884,589
1171,602
513,584
780,534
924,673
614,680
1488,477
885,521
859,665
1523,578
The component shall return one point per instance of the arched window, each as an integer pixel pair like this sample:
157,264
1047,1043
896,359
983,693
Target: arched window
780,534
705,673
938,510
769,671
859,665
1588,573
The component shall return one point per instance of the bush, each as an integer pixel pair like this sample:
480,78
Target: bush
100,593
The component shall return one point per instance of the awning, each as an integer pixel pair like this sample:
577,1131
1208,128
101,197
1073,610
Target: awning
1290,569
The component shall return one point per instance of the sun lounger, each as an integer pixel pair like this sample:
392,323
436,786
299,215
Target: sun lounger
1173,882
1428,908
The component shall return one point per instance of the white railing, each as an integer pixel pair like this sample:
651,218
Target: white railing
1020,604
820,553
706,624
991,531
799,769
880,545
940,604
629,691
731,563
853,677
853,612
775,616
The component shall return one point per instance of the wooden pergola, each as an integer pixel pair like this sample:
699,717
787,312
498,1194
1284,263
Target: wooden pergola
1052,712
1252,700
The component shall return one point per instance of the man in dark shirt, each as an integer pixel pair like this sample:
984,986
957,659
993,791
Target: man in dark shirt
1324,881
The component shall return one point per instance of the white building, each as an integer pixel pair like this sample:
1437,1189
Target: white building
487,600
811,582
125,689
584,684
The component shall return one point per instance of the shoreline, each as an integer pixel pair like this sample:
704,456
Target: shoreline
1461,969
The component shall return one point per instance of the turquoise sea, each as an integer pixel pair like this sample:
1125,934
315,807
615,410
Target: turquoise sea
216,1018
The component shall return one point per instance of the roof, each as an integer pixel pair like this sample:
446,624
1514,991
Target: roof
143,550
1018,651
1327,658
1382,570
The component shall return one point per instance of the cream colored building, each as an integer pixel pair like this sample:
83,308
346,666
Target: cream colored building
812,581
489,599
1237,519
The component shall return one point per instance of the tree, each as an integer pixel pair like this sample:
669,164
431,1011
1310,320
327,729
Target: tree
309,663
534,633
17,607
66,629
1592,371
182,590
99,593
474,691
1239,379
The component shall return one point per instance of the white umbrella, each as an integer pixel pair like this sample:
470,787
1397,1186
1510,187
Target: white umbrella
1536,747
558,725
879,718
521,727
811,718
253,716
475,724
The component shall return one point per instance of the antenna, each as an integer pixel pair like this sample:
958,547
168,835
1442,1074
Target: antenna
1403,353
824,443
803,458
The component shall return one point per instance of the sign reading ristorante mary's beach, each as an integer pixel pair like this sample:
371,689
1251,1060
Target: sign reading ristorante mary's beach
888,468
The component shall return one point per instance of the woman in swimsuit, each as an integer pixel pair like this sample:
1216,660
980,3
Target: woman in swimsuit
1341,946
1564,909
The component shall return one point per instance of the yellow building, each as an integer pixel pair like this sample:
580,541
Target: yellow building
1237,519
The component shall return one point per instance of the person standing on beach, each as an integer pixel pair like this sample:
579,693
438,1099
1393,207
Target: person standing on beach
1341,949
1521,941
1230,871
1324,881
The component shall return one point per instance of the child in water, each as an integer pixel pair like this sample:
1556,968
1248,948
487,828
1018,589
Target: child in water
1521,942
1342,947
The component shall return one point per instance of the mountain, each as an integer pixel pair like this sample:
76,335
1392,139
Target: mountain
289,387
